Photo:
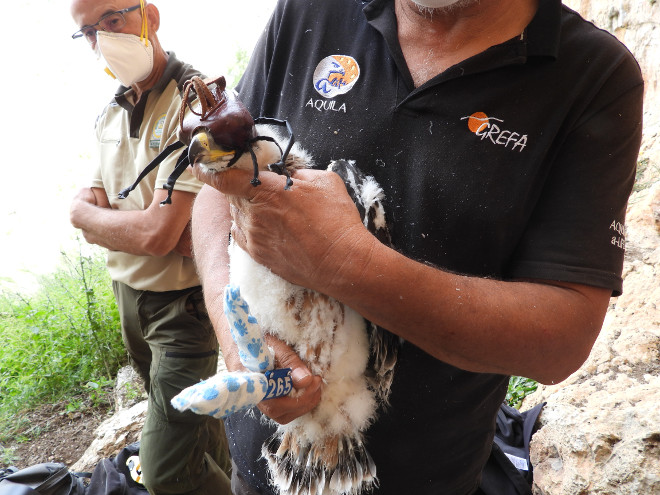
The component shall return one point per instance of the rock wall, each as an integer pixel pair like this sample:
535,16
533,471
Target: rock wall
636,23
600,429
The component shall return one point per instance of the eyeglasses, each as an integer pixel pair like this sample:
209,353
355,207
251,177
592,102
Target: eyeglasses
111,22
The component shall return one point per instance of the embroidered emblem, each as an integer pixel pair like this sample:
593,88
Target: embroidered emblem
492,129
335,75
157,132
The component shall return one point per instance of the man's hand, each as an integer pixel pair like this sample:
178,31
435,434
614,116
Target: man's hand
309,235
307,387
79,209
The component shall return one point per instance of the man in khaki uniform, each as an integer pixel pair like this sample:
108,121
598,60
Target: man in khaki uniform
165,325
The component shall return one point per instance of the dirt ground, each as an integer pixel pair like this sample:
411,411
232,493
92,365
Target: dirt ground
54,435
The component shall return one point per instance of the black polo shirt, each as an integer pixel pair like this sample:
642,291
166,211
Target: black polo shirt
516,163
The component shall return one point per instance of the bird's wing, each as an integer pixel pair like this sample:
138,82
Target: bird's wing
383,345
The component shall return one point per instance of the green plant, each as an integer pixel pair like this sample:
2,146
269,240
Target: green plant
10,430
58,339
642,179
236,71
519,388
7,456
99,391
133,391
75,404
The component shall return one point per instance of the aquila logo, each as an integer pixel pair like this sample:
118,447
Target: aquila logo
335,75
492,129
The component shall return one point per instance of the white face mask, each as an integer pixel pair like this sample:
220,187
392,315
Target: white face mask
128,57
435,4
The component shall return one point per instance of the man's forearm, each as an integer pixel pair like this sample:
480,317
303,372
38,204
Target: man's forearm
538,329
110,228
543,330
155,231
210,234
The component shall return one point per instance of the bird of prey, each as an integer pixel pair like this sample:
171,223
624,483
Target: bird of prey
323,451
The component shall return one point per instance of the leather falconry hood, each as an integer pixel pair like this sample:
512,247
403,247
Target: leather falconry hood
222,115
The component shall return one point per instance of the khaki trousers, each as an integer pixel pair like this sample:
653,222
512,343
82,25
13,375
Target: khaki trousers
171,344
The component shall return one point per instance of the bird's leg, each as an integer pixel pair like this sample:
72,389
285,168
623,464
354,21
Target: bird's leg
255,179
228,392
279,167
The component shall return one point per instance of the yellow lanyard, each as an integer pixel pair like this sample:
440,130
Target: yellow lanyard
144,33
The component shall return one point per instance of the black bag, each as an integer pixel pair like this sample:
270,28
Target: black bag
113,476
508,470
48,478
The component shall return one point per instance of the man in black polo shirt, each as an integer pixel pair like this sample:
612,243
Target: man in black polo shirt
505,135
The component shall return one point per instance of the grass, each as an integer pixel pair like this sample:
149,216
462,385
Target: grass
61,342
519,388
7,457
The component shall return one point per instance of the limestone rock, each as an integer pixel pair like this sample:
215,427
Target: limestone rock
600,429
129,388
124,426
655,207
120,430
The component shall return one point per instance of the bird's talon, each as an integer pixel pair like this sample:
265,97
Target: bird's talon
278,168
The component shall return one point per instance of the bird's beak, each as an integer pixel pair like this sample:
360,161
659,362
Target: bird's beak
202,147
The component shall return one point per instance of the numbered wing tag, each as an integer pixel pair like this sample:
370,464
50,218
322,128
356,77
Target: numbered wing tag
279,383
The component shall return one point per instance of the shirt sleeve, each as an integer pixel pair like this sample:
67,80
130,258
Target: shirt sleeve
577,230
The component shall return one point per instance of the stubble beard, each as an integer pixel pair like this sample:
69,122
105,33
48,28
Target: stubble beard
430,11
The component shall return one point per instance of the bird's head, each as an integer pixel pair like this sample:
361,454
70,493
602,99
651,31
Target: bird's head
205,152
220,132
217,128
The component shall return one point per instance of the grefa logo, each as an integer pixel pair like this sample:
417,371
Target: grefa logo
335,75
492,129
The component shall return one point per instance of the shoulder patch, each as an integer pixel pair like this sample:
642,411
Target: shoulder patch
157,132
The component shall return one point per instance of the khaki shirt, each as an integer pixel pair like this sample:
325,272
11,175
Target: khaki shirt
129,138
